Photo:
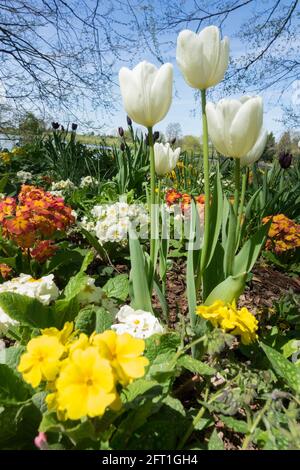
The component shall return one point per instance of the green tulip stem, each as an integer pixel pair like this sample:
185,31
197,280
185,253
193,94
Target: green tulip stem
204,252
237,183
243,193
152,198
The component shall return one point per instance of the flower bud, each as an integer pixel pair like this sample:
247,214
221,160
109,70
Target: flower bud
285,160
74,126
155,136
129,121
172,142
122,147
55,125
121,131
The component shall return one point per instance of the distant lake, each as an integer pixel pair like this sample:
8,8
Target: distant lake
8,142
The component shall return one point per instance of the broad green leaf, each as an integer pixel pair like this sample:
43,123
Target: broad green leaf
141,296
290,348
3,183
288,371
229,246
117,287
228,290
246,258
50,423
175,404
140,388
12,388
161,344
87,261
195,366
11,356
75,285
64,310
216,215
235,424
214,273
215,442
26,310
92,319
192,269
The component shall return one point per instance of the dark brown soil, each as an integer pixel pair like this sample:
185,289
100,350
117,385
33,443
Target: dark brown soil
266,286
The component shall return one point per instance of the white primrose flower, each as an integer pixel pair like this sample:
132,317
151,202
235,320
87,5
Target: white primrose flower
87,181
44,289
90,294
137,323
24,176
63,185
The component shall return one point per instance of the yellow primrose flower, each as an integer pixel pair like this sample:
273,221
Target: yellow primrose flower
227,317
42,360
86,385
212,312
81,343
64,335
246,326
125,354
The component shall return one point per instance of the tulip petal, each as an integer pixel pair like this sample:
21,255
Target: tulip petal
189,58
223,62
246,126
160,93
257,150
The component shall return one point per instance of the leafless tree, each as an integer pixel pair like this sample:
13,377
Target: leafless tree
64,53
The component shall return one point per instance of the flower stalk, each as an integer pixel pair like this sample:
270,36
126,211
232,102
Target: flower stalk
152,199
204,252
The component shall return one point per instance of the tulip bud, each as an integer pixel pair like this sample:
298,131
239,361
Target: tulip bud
155,136
202,58
62,128
55,125
74,126
147,92
165,158
172,142
121,131
234,126
285,160
122,147
129,121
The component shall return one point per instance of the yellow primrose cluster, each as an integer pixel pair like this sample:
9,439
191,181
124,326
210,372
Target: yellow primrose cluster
5,157
81,372
227,317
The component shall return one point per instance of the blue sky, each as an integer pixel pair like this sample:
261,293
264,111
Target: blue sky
184,97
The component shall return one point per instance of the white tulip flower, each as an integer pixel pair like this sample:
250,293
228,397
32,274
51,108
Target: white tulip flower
257,150
202,58
147,92
165,158
235,125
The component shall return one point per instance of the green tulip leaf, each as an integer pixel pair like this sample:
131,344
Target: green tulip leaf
228,290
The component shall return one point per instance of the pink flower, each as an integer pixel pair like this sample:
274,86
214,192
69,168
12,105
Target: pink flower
40,441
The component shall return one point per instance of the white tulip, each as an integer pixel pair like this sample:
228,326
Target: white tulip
202,58
235,125
147,92
257,150
165,158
